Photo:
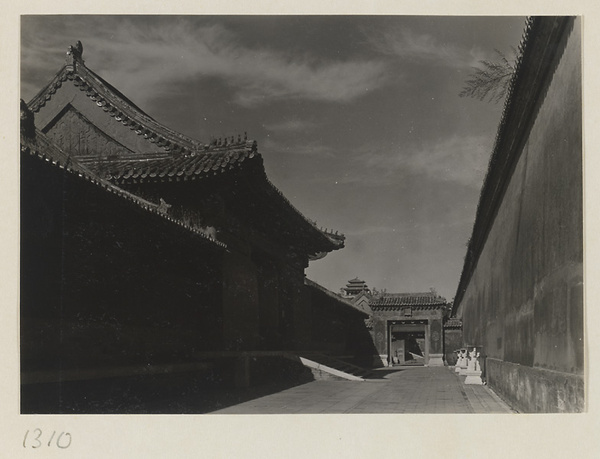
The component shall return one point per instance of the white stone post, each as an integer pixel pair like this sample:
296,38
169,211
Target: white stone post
473,371
461,365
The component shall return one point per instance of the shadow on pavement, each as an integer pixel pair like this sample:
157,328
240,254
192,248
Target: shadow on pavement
381,373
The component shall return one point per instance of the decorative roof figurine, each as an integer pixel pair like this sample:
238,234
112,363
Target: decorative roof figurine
27,121
74,55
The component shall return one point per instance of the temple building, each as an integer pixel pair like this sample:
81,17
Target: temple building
405,328
521,293
408,327
145,251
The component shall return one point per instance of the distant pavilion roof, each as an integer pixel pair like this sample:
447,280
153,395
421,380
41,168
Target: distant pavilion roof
355,286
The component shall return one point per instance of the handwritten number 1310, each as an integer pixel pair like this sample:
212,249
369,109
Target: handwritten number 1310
63,440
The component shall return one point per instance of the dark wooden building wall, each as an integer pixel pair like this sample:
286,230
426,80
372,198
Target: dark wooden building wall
104,282
336,328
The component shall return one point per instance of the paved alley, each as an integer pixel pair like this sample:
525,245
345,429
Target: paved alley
399,390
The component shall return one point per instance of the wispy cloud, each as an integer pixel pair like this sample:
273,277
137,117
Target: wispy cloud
406,44
290,126
309,148
156,56
373,230
461,159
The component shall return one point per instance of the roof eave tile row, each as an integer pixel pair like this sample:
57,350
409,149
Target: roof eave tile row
453,323
58,158
375,307
407,300
189,167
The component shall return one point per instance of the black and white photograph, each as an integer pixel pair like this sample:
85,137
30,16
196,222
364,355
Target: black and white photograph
230,219
267,214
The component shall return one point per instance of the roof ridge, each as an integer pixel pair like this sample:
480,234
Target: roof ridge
120,110
125,111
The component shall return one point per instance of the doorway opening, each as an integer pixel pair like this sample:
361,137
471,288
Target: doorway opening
407,343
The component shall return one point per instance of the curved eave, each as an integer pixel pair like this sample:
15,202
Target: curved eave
184,168
326,241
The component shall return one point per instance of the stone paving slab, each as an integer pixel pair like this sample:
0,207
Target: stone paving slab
407,390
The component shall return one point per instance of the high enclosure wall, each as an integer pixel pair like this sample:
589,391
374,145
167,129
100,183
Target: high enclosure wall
522,297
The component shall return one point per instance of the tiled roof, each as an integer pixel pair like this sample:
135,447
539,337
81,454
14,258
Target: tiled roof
41,147
407,299
121,109
184,158
188,167
453,322
356,280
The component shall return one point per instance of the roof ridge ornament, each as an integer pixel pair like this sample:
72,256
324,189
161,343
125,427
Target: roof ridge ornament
27,121
74,56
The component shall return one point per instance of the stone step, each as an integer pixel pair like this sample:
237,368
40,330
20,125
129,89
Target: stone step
336,367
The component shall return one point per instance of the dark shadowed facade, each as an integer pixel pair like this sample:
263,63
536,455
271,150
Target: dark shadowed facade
520,295
338,325
453,339
146,252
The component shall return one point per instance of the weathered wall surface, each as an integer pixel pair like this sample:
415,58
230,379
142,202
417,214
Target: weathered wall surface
240,303
540,391
453,340
524,300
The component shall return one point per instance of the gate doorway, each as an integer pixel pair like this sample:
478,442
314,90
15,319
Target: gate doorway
408,343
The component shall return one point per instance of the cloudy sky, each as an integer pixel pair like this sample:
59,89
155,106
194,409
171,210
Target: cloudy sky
357,117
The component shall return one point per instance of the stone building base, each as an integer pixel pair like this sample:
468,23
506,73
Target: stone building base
536,390
380,360
436,360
